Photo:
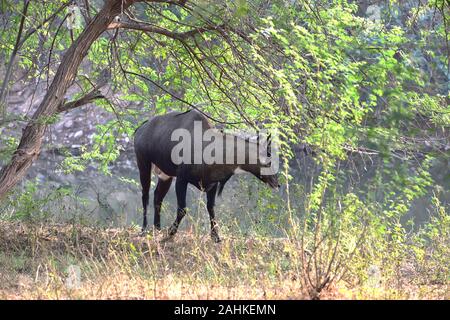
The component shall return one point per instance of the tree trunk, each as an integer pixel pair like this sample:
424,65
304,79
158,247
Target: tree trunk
30,143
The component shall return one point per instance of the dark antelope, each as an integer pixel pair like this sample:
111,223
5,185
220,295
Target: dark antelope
153,146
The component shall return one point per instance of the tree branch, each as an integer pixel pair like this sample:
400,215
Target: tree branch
142,26
87,98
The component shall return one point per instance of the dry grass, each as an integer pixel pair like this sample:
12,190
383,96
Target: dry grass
120,264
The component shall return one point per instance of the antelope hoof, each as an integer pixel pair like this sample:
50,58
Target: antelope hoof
172,231
215,237
156,229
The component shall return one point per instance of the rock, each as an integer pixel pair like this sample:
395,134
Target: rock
373,13
68,123
78,134
40,177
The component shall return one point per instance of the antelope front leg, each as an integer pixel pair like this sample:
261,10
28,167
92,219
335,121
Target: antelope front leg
180,188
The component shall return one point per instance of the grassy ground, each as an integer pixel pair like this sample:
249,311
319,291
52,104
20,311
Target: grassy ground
74,262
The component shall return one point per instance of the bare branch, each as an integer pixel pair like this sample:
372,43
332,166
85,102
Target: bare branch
87,98
142,26
173,95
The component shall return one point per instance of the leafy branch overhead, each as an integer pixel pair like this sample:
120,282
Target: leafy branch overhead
326,75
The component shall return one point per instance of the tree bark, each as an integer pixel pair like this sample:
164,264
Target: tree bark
33,134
